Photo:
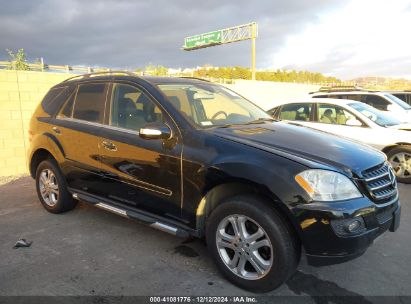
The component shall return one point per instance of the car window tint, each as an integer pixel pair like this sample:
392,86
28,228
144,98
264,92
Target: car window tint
89,104
131,108
336,115
376,102
67,109
48,100
296,111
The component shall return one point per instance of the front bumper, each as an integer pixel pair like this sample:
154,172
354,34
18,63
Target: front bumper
325,237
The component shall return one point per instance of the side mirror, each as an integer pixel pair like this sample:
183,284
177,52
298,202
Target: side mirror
353,122
155,131
390,107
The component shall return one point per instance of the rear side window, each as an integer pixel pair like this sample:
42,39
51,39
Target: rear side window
401,96
296,111
90,101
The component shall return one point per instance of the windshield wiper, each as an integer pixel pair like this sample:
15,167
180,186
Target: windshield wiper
256,121
260,120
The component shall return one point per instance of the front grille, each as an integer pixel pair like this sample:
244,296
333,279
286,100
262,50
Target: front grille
380,182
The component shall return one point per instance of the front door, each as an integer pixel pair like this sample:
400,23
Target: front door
145,174
339,121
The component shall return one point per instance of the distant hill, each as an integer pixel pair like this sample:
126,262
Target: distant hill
382,83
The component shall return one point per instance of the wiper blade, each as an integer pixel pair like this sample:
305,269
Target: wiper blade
257,121
260,120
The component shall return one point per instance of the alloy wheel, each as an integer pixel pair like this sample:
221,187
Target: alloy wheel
401,163
244,247
49,188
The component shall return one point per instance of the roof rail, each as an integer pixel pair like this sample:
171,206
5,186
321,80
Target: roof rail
90,75
346,88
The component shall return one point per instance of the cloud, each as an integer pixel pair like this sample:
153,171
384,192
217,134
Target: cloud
365,37
129,33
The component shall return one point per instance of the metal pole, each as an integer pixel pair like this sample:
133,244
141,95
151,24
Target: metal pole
254,32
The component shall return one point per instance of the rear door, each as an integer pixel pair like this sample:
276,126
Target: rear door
300,113
142,173
78,127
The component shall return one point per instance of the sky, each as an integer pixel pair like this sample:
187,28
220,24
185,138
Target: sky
346,39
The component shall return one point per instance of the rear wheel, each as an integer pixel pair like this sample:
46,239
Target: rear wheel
251,244
51,188
400,160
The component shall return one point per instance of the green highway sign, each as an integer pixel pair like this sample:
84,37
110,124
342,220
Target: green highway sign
203,40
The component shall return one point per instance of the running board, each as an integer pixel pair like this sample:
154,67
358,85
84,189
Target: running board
131,214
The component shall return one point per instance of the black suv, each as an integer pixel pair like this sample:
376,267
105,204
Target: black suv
193,158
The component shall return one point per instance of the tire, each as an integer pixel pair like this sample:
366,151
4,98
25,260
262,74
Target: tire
54,199
400,159
275,268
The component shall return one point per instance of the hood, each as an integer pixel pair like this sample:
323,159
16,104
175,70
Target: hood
305,145
403,127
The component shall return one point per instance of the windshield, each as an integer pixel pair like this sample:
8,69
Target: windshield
209,105
398,101
380,118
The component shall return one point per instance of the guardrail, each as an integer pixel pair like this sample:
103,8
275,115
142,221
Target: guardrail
57,68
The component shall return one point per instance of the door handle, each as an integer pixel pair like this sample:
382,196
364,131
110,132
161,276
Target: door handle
56,130
108,145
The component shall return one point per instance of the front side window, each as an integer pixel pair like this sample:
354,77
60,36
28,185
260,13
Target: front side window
336,115
90,102
296,111
131,108
208,105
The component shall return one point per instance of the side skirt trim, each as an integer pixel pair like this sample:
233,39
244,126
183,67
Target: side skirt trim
148,219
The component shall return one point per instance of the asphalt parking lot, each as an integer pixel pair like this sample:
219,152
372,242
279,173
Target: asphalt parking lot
91,252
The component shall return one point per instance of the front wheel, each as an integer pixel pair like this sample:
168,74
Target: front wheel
251,244
400,160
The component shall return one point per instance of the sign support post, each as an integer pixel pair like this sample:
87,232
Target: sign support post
254,34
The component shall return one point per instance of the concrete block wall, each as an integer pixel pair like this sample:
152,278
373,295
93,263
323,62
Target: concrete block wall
20,93
267,94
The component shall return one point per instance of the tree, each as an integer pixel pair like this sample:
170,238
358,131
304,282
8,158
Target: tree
158,70
18,61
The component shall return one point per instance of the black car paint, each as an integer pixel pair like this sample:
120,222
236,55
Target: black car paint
180,180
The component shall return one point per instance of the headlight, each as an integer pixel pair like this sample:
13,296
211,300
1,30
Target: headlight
324,185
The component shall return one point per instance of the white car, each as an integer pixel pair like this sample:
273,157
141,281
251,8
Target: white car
383,101
357,121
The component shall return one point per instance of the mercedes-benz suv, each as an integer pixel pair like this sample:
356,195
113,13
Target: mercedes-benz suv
193,158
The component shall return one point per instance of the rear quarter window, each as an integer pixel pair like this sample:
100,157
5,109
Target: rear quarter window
55,98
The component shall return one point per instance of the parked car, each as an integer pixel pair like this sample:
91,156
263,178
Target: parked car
193,158
358,121
403,95
382,101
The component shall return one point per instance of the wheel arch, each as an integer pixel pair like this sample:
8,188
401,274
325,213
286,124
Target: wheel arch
219,193
38,156
44,146
387,149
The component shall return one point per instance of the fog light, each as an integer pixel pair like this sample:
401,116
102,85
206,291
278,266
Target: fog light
353,226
